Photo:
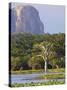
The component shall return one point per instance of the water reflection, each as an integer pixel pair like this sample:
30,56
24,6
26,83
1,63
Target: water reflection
27,78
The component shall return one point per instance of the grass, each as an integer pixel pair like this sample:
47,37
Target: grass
37,71
26,71
57,70
52,82
51,76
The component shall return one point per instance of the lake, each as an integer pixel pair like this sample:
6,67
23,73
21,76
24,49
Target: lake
27,78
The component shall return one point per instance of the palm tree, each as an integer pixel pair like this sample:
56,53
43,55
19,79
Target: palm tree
45,50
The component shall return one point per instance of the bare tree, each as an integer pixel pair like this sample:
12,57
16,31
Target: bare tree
46,51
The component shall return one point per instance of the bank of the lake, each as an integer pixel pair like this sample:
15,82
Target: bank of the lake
51,82
52,76
37,71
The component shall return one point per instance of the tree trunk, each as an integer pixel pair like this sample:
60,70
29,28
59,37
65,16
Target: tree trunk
45,66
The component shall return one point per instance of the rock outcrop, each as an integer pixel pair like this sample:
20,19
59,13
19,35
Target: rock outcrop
26,19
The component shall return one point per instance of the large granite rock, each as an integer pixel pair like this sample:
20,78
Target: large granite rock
13,20
26,19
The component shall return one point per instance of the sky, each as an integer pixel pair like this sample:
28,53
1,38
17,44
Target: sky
52,16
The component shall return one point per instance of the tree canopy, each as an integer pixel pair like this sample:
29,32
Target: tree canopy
24,46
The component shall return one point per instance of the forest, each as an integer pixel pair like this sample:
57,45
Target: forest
28,51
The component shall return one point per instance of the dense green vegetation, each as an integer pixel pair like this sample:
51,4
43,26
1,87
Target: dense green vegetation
52,82
23,48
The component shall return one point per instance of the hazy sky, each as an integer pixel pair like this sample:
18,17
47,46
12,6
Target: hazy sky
52,16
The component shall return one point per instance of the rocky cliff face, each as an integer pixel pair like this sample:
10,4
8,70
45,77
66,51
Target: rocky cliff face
26,19
13,20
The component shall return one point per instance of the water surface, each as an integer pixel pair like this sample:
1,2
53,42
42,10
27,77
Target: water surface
27,78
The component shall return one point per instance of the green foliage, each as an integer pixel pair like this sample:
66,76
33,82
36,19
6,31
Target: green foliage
36,63
22,50
15,63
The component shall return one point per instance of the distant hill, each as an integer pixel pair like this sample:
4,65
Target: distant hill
26,19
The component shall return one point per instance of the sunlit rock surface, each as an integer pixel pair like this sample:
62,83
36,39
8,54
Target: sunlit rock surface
26,19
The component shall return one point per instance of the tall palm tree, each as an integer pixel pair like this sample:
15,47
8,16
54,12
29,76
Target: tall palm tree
45,51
